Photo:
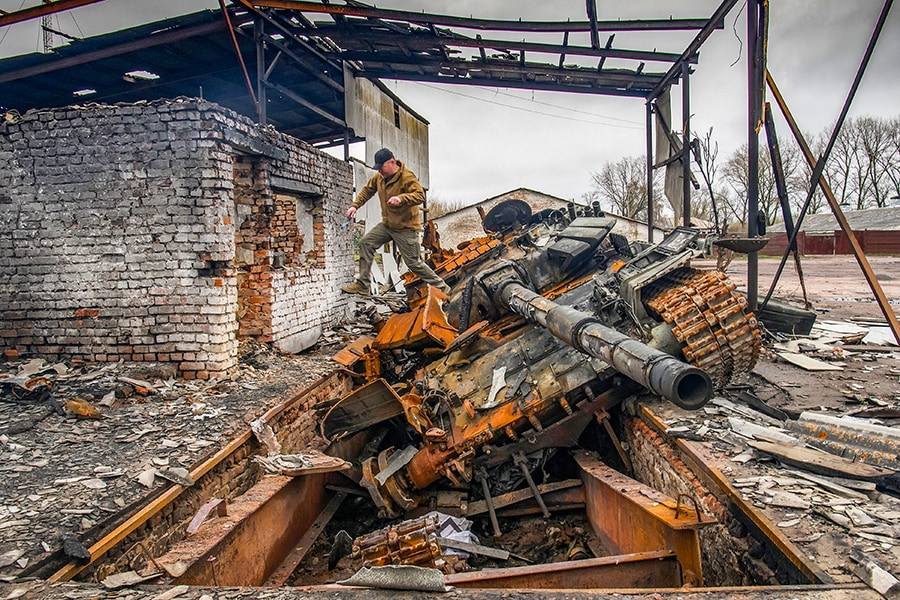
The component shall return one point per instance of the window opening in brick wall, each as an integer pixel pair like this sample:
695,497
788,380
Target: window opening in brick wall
298,231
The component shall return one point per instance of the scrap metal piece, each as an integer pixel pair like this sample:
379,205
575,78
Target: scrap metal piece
399,577
410,542
397,461
522,462
426,325
368,405
654,570
482,477
498,553
216,503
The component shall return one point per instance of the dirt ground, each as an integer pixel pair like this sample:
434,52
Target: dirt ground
62,475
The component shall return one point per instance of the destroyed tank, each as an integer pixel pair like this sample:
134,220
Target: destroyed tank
552,320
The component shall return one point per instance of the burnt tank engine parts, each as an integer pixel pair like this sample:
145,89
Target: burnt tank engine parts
552,320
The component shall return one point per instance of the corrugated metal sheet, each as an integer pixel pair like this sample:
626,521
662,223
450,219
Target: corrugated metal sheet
385,123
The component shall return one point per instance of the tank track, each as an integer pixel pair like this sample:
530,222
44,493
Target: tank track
712,322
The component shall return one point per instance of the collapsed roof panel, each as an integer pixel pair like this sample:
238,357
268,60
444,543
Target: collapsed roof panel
293,55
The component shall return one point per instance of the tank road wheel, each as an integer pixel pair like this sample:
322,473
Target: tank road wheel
712,322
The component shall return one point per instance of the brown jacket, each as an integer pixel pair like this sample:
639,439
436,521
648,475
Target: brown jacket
405,186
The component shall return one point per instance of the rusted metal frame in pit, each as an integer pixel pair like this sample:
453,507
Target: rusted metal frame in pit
651,569
109,541
630,517
257,536
280,576
722,489
871,279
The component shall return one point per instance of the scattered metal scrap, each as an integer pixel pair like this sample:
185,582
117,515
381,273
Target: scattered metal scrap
553,319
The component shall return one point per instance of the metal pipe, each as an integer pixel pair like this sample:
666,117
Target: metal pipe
482,476
754,98
519,459
649,133
686,144
683,384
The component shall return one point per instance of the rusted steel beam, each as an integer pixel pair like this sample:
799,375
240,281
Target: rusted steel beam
479,507
591,6
470,79
482,24
165,37
721,487
630,517
882,300
658,569
714,22
47,8
425,42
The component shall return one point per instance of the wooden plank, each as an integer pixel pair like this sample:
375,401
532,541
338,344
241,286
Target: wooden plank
808,363
820,462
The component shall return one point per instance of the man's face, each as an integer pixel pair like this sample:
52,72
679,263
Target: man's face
389,168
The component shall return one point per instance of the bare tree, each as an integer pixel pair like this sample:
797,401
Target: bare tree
622,187
889,163
706,151
864,166
437,206
735,174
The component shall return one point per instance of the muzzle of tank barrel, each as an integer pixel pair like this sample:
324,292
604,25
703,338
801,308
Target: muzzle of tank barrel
685,385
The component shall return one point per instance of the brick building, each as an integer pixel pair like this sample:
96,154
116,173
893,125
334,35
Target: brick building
164,230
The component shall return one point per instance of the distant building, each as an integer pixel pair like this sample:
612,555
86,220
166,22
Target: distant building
464,224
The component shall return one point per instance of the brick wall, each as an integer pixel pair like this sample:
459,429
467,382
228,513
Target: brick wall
144,232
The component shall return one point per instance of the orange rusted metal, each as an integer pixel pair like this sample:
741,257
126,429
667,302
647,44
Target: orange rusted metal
713,323
425,325
630,517
350,354
719,484
245,547
408,543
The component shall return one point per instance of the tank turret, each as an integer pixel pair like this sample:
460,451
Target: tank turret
553,319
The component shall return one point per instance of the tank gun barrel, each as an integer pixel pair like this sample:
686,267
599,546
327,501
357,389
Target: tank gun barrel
681,383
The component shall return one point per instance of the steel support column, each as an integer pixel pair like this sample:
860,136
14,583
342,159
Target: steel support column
649,127
686,142
259,40
754,108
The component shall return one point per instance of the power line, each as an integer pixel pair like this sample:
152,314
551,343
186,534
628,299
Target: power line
528,110
584,112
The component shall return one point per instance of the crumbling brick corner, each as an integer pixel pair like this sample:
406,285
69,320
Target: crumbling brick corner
164,231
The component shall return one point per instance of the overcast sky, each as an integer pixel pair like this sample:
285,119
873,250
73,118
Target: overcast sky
484,142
